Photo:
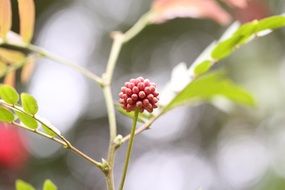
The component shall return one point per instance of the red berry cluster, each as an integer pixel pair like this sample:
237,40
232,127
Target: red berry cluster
139,94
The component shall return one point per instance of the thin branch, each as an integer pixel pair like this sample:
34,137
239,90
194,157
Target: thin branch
119,40
63,141
46,54
40,133
113,133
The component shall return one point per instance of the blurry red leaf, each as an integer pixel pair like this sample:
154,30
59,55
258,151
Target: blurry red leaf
13,153
163,10
237,3
255,9
5,17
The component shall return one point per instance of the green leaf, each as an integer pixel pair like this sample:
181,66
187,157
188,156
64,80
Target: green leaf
9,94
210,86
244,33
202,67
225,48
22,185
49,131
49,185
6,115
27,120
29,103
47,127
270,23
141,118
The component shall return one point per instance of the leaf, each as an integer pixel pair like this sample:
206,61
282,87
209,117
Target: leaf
142,117
236,3
247,29
48,131
27,120
9,94
5,17
28,69
210,86
29,103
12,56
3,68
270,23
164,10
27,19
10,78
244,33
48,128
225,48
6,115
22,185
203,67
49,185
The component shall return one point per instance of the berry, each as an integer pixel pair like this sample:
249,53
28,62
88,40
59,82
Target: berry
139,94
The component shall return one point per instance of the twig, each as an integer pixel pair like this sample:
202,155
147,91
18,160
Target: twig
63,141
46,54
119,40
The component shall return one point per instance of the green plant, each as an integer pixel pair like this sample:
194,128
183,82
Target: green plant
201,84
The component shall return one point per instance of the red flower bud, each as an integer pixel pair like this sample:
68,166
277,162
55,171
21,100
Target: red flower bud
139,94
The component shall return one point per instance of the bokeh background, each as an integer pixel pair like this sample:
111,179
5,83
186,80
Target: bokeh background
208,145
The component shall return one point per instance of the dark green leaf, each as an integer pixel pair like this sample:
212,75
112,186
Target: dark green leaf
21,185
210,86
27,120
6,115
29,103
9,94
49,185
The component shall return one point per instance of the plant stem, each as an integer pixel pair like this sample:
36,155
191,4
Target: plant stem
129,150
119,40
64,144
46,54
113,134
114,54
86,157
142,128
137,27
60,140
104,82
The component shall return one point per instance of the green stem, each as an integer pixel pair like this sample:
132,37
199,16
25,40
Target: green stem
113,132
114,54
141,129
138,27
129,150
119,40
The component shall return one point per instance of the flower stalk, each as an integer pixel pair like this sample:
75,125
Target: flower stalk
129,150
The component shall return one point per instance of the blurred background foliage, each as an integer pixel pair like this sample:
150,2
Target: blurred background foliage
214,146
